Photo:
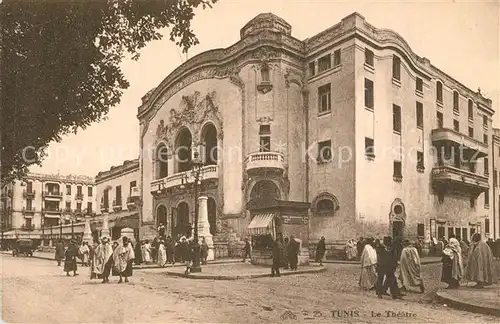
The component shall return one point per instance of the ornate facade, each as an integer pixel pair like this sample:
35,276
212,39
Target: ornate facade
278,118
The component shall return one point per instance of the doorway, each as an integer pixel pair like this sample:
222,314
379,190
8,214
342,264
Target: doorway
397,229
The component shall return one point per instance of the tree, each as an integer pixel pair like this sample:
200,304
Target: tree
60,65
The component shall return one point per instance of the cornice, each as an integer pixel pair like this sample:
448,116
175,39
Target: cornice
117,171
73,179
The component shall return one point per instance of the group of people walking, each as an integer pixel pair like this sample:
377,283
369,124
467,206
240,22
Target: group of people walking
112,259
285,254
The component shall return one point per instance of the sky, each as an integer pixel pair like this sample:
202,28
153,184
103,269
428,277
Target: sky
460,38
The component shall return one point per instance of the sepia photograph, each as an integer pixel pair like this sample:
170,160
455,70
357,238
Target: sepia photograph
249,161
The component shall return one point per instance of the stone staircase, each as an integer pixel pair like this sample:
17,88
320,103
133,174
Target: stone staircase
228,244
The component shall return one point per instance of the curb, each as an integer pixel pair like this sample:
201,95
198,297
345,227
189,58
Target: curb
215,277
358,263
453,302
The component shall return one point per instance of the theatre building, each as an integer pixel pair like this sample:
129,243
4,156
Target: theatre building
348,132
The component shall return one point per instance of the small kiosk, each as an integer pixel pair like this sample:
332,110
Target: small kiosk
278,219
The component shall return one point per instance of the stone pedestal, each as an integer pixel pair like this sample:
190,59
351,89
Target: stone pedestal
87,232
204,226
105,227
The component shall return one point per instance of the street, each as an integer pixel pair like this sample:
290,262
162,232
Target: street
36,290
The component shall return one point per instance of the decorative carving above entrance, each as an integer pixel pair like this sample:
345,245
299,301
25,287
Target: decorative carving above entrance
398,211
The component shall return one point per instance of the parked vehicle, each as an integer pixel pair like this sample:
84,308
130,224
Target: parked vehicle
24,246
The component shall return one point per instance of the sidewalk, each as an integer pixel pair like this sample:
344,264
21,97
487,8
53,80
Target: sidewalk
483,301
50,256
238,271
423,261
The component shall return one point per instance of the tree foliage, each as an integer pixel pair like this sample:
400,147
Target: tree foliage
60,65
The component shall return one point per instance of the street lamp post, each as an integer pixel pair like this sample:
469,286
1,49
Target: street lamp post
197,164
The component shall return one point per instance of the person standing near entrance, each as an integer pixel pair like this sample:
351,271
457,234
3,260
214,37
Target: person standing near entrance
59,252
293,253
247,250
277,256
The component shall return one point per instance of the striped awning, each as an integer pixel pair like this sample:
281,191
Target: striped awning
261,224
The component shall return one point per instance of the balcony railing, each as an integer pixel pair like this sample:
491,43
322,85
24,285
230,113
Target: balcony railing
29,210
135,192
440,135
29,194
207,172
54,194
265,160
459,180
52,210
117,205
79,196
25,227
78,212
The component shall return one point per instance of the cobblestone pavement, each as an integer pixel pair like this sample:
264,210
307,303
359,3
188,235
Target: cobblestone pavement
38,291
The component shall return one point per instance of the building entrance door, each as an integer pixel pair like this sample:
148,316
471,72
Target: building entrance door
397,229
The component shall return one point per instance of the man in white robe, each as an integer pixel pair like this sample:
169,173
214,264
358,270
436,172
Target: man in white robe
368,276
123,257
101,261
410,267
162,254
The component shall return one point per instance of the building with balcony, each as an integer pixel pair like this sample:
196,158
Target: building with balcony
117,191
492,224
377,139
41,202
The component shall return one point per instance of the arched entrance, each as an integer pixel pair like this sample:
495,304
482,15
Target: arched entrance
212,215
265,192
182,226
161,216
209,136
397,218
183,148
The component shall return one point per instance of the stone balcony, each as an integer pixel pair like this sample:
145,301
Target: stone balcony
52,194
450,178
135,192
265,160
52,210
28,210
29,194
469,144
79,196
207,173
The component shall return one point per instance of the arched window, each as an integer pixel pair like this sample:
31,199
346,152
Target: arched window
161,161
471,109
161,216
183,150
325,204
265,192
182,225
456,104
439,92
209,136
264,74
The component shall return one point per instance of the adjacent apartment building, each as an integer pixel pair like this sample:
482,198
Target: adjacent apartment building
39,202
376,138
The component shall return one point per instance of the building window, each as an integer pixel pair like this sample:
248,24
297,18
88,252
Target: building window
79,206
419,85
79,190
420,161
439,117
369,147
485,139
369,58
471,132
471,110
28,223
396,119
133,184
420,115
29,204
118,196
456,125
161,161
420,230
336,58
455,102
487,226
324,63
485,121
312,68
440,232
487,198
439,92
264,74
29,186
68,206
68,189
89,191
325,206
89,207
396,68
464,233
369,93
265,138
324,151
325,100
397,171
105,201
450,232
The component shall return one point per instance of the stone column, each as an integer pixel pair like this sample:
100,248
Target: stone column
87,233
204,226
105,226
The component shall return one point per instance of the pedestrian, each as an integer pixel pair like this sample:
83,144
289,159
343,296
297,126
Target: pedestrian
396,249
320,251
70,258
247,250
59,252
84,254
161,230
368,277
496,249
452,265
204,251
186,254
123,257
138,252
359,247
351,250
102,261
410,267
293,253
169,248
277,255
386,268
154,249
480,266
147,252
286,261
162,254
